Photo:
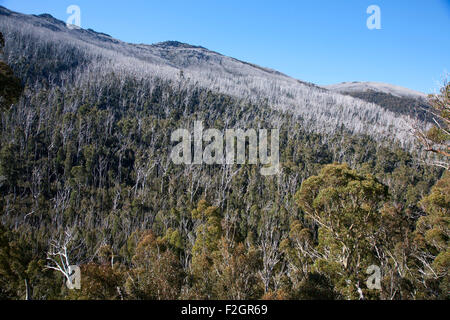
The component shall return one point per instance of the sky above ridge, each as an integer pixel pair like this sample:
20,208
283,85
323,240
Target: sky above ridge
320,41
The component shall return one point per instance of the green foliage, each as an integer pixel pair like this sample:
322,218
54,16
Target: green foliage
93,156
432,238
209,229
156,272
346,208
10,86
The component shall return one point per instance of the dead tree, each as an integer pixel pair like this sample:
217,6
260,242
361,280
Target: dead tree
58,257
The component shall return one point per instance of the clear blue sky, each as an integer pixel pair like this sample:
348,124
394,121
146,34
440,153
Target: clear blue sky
313,40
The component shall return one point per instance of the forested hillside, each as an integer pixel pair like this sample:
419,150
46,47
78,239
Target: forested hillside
86,179
400,105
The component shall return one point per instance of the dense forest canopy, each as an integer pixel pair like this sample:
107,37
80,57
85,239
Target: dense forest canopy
86,179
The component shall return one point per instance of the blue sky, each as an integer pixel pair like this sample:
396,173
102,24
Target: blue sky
321,41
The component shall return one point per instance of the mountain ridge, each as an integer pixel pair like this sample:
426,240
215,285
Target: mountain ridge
361,86
182,45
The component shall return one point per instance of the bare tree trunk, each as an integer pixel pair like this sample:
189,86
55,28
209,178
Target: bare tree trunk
27,290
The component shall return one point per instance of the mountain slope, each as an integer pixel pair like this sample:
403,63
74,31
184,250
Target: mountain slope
399,100
386,88
85,165
318,109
